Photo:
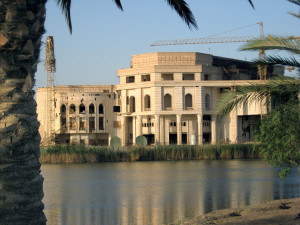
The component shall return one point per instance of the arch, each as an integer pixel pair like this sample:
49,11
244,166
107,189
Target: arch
147,102
207,102
82,108
188,100
91,108
63,108
132,104
101,109
167,101
72,109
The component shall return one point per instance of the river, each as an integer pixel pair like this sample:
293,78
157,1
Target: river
158,192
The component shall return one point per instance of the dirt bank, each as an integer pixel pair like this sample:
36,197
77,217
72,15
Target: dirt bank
274,212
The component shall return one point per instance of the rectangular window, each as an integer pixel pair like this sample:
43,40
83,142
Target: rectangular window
130,79
101,124
188,76
92,123
146,78
167,76
72,121
117,109
82,123
206,77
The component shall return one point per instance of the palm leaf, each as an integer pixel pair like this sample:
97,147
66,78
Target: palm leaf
278,60
297,2
183,10
65,6
295,14
251,3
290,44
281,86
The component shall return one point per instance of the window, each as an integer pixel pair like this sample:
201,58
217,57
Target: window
82,108
116,109
101,111
145,78
91,109
130,79
72,121
91,123
188,76
63,108
147,103
167,101
168,76
72,109
206,77
82,123
188,100
132,104
101,124
207,102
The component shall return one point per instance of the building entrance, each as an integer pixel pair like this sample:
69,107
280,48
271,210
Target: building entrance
173,139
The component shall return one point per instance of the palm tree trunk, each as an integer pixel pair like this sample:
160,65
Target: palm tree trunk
21,184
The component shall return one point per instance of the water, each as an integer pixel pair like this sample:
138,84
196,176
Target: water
158,192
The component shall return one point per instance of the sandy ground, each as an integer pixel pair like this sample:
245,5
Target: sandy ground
274,212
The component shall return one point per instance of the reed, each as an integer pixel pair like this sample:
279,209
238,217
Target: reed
81,153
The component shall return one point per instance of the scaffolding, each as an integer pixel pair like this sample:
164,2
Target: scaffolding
51,69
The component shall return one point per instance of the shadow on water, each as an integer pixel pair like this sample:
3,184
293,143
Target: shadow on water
158,192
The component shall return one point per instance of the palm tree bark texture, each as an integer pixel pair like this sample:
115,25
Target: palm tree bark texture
21,184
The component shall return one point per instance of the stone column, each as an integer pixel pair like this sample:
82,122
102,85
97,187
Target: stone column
133,130
157,129
162,131
179,130
200,128
123,128
213,129
233,126
138,125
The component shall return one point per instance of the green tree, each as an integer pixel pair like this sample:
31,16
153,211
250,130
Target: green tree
279,130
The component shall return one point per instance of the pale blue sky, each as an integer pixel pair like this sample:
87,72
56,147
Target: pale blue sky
104,38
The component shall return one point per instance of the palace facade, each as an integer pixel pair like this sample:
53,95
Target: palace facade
168,97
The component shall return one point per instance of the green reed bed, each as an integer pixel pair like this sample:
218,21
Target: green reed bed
81,153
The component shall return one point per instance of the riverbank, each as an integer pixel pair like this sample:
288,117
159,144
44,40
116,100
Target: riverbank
277,212
83,154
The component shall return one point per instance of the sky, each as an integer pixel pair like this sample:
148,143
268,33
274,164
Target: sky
104,38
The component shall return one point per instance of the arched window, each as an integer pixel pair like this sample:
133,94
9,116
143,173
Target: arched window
147,102
63,108
132,104
82,108
101,110
167,101
72,109
91,109
207,102
188,101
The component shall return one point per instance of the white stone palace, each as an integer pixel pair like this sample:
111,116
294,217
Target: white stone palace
168,97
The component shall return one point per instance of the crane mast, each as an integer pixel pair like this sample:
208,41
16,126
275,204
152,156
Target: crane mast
51,69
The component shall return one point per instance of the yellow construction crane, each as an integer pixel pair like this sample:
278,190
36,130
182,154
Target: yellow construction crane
51,69
262,70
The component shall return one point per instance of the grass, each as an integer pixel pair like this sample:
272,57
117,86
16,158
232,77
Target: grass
81,153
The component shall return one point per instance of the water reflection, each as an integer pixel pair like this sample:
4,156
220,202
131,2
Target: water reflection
157,192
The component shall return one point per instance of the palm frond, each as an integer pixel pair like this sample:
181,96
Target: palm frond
281,86
119,4
65,6
183,10
278,60
251,3
297,2
297,15
290,44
